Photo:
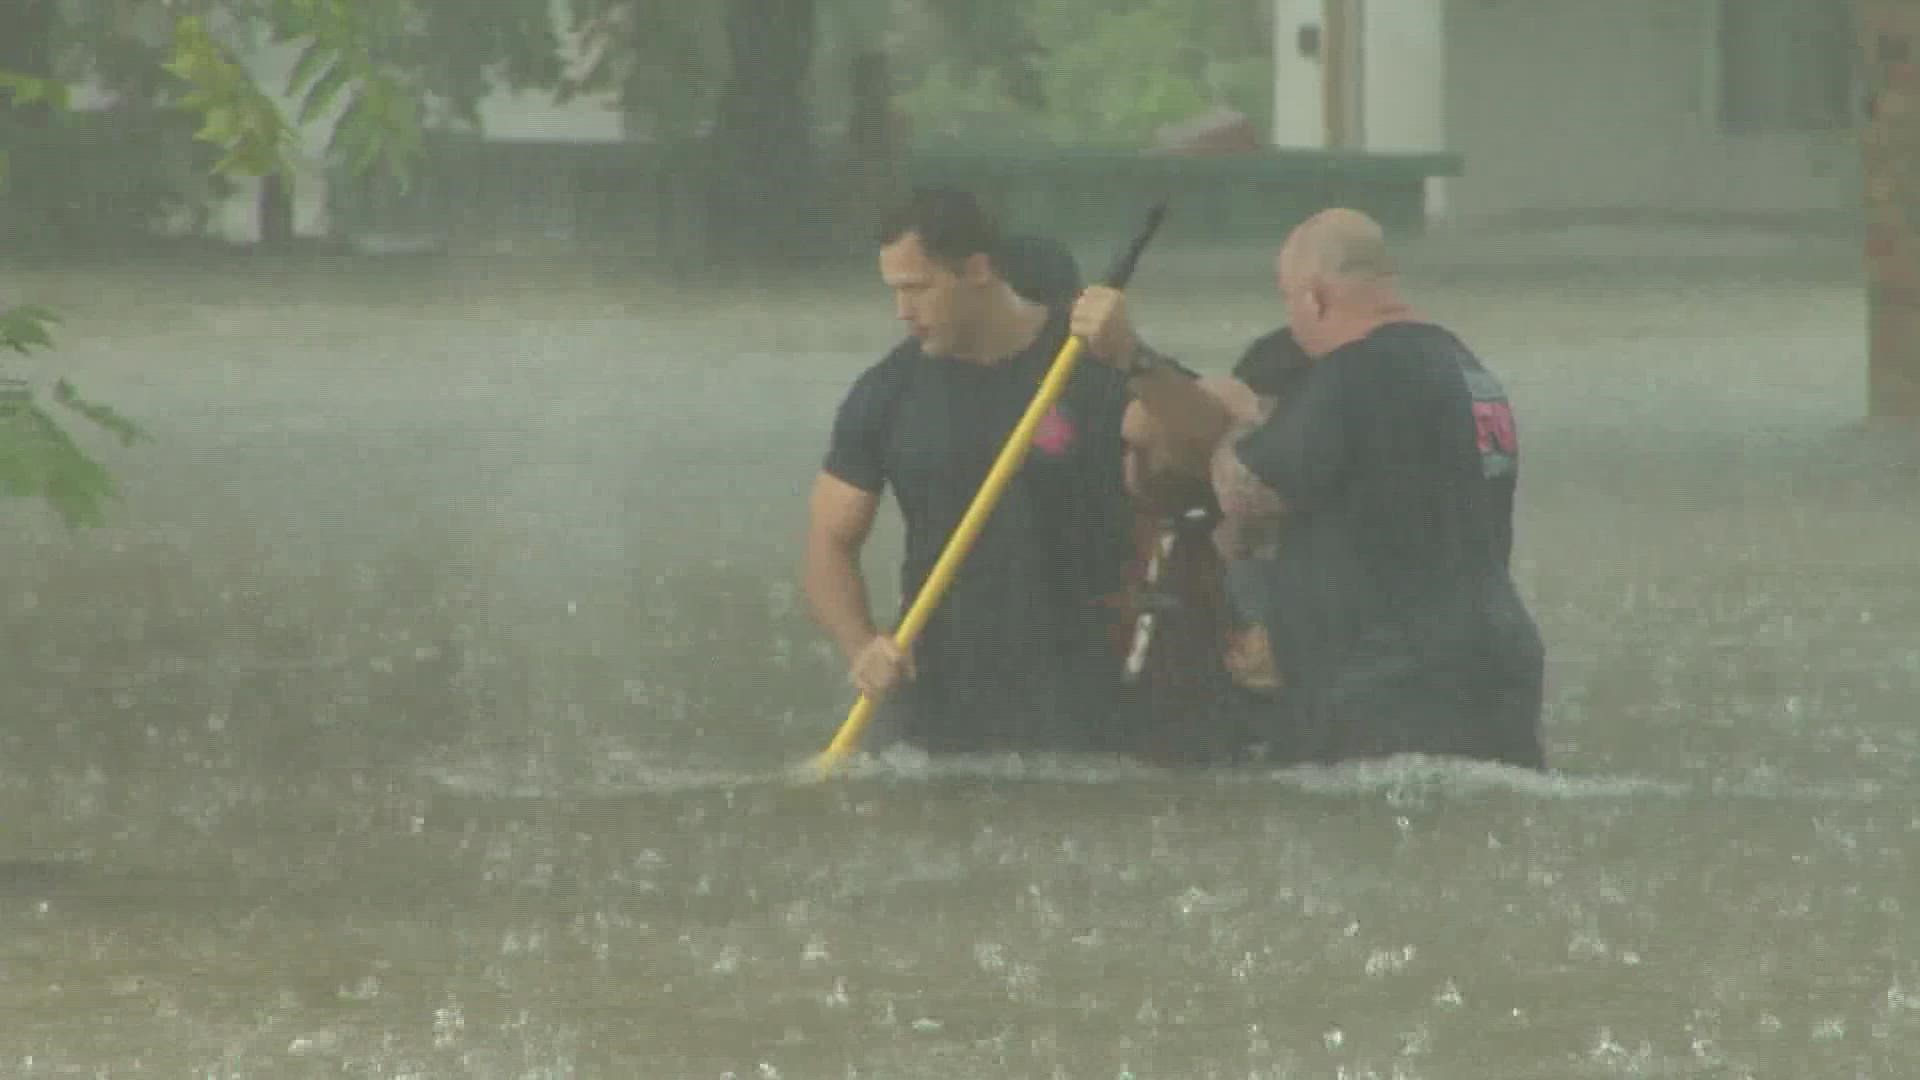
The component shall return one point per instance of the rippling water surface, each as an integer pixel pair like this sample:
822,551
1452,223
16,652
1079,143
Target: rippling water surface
427,712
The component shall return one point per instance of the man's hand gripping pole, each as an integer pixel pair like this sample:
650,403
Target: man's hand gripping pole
1012,454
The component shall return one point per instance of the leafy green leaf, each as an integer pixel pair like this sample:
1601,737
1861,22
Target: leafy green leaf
40,460
33,90
313,59
105,417
219,125
319,99
24,328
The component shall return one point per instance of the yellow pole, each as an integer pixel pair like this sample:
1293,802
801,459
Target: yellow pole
1012,454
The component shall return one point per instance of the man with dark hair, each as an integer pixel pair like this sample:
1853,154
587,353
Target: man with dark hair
1026,649
1039,269
1271,371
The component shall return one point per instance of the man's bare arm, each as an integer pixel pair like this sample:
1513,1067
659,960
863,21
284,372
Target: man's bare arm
1180,418
840,518
1245,407
1166,455
1242,495
1176,424
1173,423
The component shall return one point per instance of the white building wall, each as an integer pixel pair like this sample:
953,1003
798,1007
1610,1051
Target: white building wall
1582,105
1299,116
1403,84
1403,75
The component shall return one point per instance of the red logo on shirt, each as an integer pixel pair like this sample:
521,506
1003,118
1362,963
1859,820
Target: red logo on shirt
1494,422
1055,434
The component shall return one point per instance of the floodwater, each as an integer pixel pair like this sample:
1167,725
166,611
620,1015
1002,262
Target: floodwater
425,712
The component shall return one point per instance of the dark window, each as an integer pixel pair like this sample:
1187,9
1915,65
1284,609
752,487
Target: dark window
1786,65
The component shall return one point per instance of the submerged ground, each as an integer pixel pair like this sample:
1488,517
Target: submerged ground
423,711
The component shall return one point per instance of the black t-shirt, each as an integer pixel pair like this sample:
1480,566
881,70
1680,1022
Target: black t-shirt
1021,651
1274,365
1390,600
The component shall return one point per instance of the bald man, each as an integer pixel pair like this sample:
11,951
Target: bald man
1393,464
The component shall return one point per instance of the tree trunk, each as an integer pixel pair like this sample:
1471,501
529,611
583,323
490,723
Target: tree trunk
276,213
26,47
1890,40
29,198
874,177
766,201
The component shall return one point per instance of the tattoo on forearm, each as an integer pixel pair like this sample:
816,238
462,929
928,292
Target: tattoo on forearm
1241,494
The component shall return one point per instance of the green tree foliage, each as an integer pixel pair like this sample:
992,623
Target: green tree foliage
344,72
460,51
22,91
372,71
351,71
660,63
38,458
744,75
1102,72
993,41
377,73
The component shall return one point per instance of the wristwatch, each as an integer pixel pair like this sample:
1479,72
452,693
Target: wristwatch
1143,360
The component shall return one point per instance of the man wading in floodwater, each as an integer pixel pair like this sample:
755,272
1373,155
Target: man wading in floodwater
1026,651
1364,464
1391,469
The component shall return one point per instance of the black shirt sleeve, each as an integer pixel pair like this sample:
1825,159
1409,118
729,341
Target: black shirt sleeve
1274,365
856,452
1302,450
1166,361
